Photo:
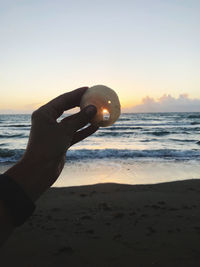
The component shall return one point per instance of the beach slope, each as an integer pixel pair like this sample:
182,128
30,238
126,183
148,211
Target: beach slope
111,225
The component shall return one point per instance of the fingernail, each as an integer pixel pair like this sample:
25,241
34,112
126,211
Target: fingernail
91,110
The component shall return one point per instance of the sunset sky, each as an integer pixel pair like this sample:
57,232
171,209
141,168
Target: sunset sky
148,51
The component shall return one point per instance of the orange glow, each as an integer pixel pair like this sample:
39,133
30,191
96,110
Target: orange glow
105,110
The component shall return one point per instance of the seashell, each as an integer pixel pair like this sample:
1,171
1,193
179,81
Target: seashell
107,103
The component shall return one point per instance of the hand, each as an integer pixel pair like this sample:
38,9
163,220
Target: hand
49,140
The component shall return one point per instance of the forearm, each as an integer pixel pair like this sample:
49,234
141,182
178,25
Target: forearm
6,225
30,176
20,175
36,176
23,174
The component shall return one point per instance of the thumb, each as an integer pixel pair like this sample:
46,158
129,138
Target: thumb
81,119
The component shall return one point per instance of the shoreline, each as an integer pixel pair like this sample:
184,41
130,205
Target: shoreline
111,225
123,171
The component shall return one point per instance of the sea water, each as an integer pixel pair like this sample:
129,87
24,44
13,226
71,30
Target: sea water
138,148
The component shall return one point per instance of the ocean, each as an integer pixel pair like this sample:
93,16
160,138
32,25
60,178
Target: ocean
152,146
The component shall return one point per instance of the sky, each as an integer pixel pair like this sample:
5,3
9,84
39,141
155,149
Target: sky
148,51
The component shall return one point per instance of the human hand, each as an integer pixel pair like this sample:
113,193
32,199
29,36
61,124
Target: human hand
49,140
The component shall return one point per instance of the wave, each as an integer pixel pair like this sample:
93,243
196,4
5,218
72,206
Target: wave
7,155
194,116
173,140
10,155
190,129
124,119
11,135
149,140
18,125
112,134
114,128
183,140
125,153
151,124
4,144
195,123
159,133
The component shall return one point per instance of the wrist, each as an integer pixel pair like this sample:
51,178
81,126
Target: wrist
24,173
17,203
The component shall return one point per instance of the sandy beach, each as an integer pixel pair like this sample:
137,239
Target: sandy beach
111,225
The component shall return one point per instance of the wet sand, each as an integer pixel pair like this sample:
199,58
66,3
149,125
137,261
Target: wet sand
111,225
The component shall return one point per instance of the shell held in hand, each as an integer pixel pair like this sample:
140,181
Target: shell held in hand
106,102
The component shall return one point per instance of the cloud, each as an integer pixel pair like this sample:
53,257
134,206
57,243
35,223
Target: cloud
167,103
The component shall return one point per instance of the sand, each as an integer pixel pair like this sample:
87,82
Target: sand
111,225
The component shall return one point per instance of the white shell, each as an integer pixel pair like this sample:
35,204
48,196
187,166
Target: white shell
103,98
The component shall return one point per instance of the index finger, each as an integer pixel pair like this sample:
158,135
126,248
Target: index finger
65,102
